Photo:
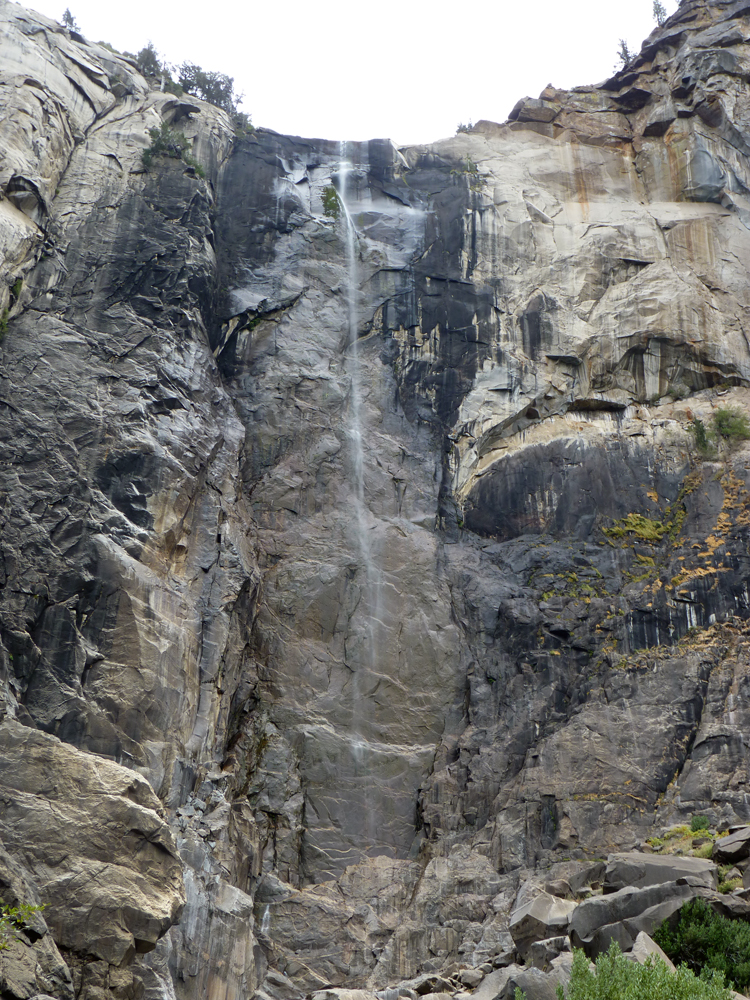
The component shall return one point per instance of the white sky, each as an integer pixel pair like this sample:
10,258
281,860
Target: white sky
410,70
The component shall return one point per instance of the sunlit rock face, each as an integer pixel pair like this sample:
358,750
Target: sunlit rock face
352,498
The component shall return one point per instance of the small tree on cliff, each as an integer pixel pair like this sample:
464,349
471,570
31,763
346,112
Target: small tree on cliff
218,89
148,61
624,54
660,13
68,21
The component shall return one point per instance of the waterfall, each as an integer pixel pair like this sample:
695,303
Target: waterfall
368,570
355,373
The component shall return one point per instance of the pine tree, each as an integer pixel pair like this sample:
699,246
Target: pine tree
660,12
623,53
69,21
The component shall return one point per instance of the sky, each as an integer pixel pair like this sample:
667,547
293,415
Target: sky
408,70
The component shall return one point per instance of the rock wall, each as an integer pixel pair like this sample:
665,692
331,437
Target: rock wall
358,550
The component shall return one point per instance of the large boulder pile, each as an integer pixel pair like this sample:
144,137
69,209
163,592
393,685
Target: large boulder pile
593,906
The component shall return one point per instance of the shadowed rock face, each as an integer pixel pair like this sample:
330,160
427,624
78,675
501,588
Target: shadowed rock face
383,625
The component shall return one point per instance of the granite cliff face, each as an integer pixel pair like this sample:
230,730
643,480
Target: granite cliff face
359,563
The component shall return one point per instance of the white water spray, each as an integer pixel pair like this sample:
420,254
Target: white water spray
371,582
369,575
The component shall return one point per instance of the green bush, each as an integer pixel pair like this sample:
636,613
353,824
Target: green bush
617,978
331,202
14,918
702,441
703,939
732,424
699,823
166,141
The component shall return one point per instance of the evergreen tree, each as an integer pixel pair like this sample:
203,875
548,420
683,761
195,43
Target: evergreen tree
660,13
69,22
623,53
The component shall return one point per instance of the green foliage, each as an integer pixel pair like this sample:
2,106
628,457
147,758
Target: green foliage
464,127
730,884
640,526
216,88
14,918
704,939
166,141
617,978
705,851
659,12
241,123
699,823
732,424
702,440
331,202
69,22
148,61
624,54
3,323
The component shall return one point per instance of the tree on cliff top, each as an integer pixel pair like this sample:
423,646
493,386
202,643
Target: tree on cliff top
148,61
69,22
624,54
216,88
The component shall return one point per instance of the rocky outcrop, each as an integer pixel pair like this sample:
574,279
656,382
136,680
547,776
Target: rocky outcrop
638,870
94,842
356,523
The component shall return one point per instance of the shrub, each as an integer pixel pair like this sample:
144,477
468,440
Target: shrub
702,440
705,851
617,978
166,141
331,202
730,884
241,123
732,424
14,918
699,823
703,939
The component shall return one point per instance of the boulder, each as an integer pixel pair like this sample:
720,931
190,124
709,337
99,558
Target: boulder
633,868
30,958
545,916
492,986
733,848
538,985
471,977
559,887
534,984
621,915
645,947
106,866
541,953
430,983
344,994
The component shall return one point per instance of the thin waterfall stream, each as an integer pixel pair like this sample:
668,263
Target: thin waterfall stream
367,665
